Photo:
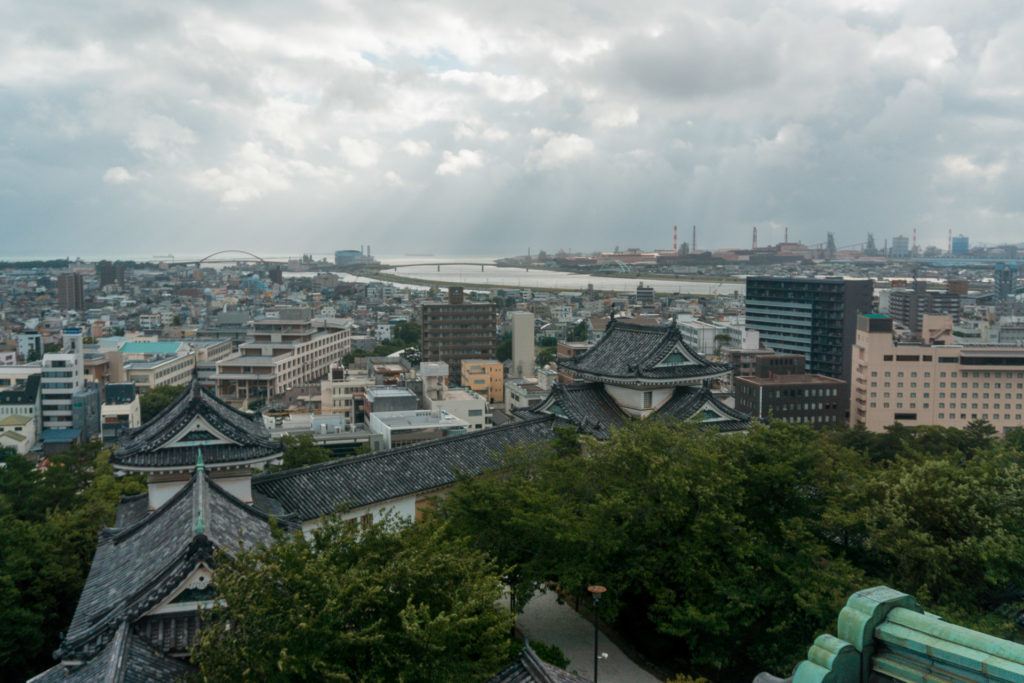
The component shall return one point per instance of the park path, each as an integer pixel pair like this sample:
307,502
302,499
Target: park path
554,624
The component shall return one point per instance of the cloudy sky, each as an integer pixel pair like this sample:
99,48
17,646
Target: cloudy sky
488,126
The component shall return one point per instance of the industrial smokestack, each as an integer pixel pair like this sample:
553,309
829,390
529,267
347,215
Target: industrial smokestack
753,241
786,233
675,239
693,242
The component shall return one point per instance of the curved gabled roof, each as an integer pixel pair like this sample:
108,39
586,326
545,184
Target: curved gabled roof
630,352
148,445
138,565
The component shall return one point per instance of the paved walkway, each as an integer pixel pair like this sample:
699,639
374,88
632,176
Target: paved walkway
547,621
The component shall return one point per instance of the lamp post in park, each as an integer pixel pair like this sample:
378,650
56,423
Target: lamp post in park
595,593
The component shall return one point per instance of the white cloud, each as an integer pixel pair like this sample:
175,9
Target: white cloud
501,88
118,175
393,179
616,117
923,47
162,137
254,172
476,129
358,153
456,163
415,148
563,149
960,166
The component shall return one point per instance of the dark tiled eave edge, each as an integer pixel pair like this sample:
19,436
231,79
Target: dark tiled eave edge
650,344
319,476
165,578
194,400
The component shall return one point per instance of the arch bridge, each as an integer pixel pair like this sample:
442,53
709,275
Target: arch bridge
243,256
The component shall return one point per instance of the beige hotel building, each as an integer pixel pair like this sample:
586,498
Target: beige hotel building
933,382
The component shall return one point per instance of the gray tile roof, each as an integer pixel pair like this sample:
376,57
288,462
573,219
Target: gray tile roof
138,565
589,406
586,405
632,351
144,447
318,490
126,658
529,668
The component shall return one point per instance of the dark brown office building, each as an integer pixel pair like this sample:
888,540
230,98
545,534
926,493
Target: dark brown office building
781,390
457,330
70,292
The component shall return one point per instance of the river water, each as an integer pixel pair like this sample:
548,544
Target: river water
468,270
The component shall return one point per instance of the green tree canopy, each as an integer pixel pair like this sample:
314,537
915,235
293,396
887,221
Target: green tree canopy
49,520
302,450
388,603
725,556
158,398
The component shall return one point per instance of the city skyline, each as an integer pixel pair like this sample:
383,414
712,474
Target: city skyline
494,129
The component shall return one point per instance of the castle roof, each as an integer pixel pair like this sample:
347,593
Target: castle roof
593,411
648,355
138,565
196,420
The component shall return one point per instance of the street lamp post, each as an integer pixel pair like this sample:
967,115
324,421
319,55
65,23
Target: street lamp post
595,593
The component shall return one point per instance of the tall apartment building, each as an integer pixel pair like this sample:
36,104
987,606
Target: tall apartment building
524,354
934,382
815,317
456,330
287,347
70,292
909,306
63,375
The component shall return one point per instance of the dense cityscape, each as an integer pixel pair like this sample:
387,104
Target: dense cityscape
532,342
306,390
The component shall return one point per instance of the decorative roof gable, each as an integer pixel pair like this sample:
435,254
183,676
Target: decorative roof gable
136,567
629,353
197,419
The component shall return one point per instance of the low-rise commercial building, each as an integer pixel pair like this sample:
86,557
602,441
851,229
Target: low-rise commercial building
465,404
121,410
405,427
18,432
485,377
802,398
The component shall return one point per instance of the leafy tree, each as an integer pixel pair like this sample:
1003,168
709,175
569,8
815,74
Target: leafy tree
158,398
302,450
406,334
389,603
646,514
552,654
504,350
579,332
49,520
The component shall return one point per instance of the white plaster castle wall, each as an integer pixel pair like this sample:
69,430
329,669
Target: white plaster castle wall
632,400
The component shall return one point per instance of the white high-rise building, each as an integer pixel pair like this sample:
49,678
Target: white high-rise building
63,375
523,353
